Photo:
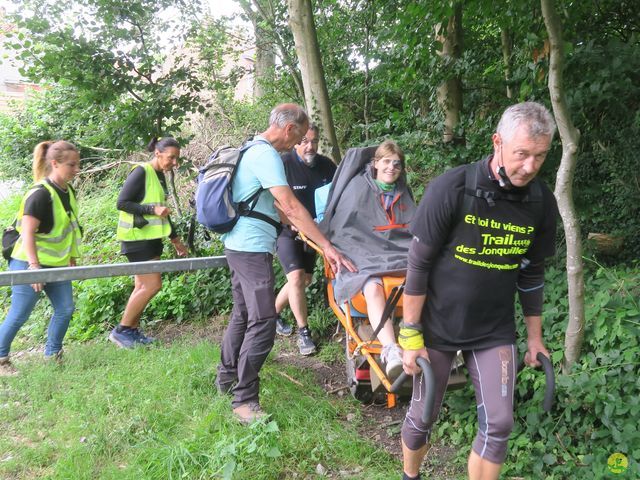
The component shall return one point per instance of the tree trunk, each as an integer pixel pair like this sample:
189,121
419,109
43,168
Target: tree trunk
570,137
174,194
316,95
450,92
265,60
369,22
507,47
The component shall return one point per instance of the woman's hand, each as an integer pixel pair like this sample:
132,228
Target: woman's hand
163,212
37,287
30,226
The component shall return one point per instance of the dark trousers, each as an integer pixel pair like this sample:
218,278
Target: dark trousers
251,331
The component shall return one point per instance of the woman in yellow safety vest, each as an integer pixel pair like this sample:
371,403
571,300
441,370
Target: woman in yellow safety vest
142,224
50,236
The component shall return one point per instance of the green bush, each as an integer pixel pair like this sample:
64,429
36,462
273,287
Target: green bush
99,306
191,296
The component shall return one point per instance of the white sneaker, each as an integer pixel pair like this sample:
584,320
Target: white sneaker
391,356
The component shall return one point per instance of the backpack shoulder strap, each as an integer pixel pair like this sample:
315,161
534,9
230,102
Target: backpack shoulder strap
246,208
471,190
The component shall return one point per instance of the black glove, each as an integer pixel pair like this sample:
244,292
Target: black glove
139,221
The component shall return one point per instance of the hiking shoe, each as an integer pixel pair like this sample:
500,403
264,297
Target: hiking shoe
248,413
55,357
391,356
305,344
142,338
126,337
282,328
6,368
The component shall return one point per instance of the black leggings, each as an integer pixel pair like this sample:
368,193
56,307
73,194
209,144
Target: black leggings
492,372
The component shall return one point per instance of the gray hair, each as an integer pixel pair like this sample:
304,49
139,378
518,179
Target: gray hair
287,113
535,116
314,127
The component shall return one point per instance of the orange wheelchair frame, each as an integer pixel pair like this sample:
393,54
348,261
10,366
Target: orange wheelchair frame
364,372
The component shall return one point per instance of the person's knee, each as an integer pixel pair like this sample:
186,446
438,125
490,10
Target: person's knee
297,279
373,291
414,436
308,277
493,436
156,287
151,287
502,426
66,310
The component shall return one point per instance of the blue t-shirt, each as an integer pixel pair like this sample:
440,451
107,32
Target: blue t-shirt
321,197
261,166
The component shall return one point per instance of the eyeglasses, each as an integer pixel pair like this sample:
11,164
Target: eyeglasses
306,141
387,162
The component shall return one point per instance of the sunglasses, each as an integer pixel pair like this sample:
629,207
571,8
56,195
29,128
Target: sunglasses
395,164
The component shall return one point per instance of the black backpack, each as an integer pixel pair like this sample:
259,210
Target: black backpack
9,238
472,173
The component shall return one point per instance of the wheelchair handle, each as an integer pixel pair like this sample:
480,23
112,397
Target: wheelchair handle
550,380
429,386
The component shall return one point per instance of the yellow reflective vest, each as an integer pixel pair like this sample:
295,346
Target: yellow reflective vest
56,248
156,227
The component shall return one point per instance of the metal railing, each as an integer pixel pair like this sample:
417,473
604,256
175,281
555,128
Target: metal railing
84,272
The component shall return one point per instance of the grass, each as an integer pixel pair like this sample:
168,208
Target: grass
154,414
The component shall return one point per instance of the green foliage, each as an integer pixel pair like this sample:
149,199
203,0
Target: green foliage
192,296
111,57
99,305
8,209
596,407
606,106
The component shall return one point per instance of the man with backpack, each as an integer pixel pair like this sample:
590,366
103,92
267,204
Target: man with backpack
306,171
481,234
249,248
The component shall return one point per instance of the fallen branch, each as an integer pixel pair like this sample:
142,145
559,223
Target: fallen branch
391,424
106,167
100,149
335,390
292,379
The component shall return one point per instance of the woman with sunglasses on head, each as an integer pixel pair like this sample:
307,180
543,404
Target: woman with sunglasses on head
142,225
372,215
50,236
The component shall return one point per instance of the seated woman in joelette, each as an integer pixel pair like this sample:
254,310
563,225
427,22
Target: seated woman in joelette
369,222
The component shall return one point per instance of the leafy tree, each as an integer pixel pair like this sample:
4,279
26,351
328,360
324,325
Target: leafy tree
112,53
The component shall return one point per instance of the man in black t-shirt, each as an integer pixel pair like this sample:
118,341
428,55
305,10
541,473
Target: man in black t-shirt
306,171
481,234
